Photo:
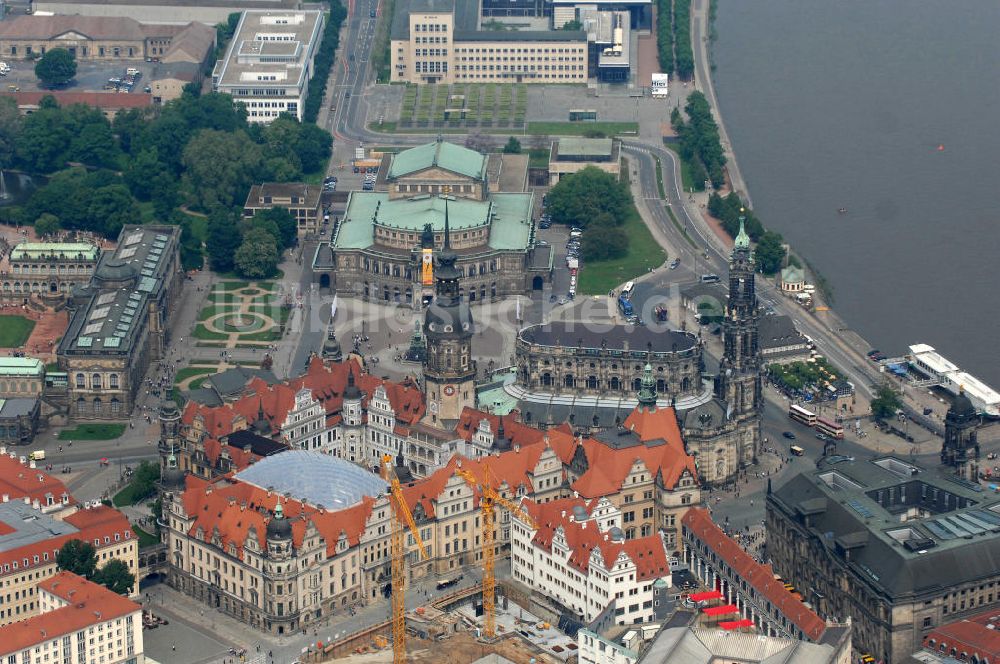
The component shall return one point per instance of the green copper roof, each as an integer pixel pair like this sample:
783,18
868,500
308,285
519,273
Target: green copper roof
742,239
21,366
448,156
793,275
35,250
511,217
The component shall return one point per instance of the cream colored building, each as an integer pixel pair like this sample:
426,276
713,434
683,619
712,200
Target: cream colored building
439,41
79,621
35,543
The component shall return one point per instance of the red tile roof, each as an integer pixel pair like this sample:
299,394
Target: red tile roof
232,508
88,604
92,524
521,434
761,577
608,466
326,381
102,100
18,481
977,635
647,553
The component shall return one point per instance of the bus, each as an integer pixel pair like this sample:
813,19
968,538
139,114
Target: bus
801,415
796,450
832,429
627,290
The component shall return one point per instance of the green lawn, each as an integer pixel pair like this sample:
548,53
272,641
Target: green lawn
597,277
205,334
93,432
582,128
145,539
14,330
538,158
230,286
686,180
215,309
188,372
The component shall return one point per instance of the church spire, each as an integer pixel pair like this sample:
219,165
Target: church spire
742,239
647,391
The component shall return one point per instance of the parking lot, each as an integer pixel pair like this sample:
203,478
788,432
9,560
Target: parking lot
90,76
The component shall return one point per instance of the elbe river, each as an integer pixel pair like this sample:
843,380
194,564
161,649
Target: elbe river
890,109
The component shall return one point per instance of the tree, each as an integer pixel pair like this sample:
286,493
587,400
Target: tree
220,167
56,67
43,140
222,239
579,198
142,169
284,221
314,147
111,208
115,577
10,127
94,145
192,256
573,25
78,557
257,257
770,252
887,402
603,242
513,146
47,225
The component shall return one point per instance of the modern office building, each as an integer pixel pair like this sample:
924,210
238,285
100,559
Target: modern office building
898,547
119,322
569,155
441,41
269,62
78,621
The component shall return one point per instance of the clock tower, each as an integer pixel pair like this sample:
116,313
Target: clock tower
449,370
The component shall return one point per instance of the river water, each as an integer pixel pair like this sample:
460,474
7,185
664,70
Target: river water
848,104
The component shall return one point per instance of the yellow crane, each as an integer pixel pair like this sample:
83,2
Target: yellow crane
400,513
490,499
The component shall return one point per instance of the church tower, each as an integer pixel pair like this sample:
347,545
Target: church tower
961,449
739,383
449,371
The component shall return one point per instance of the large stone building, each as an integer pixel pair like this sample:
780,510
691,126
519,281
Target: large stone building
382,249
105,38
568,372
897,547
47,268
269,62
439,41
119,322
72,611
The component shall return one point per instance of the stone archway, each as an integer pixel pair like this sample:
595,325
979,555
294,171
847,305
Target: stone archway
537,283
324,280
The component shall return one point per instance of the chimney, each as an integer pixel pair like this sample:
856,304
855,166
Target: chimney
31,463
563,514
605,537
583,525
517,448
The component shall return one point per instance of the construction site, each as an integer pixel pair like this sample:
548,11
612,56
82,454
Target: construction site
461,627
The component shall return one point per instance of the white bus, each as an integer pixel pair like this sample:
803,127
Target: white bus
627,290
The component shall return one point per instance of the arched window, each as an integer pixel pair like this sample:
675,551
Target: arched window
547,380
95,381
685,384
97,406
591,382
81,380
637,384
472,270
493,289
113,381
568,381
661,385
615,383
81,405
115,406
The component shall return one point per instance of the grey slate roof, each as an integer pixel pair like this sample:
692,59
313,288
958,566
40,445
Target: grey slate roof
778,331
853,518
637,338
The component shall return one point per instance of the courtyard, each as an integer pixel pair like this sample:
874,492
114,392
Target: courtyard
241,314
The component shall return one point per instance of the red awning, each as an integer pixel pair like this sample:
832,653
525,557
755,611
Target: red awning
736,624
721,610
701,597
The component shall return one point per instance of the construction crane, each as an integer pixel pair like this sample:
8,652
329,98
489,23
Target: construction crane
400,513
490,499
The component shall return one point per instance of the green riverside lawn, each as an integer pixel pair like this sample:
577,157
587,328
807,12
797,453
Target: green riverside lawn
599,277
14,330
95,431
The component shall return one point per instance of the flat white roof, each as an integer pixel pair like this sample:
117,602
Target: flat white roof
975,388
935,361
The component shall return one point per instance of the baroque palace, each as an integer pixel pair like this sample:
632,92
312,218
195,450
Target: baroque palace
274,515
